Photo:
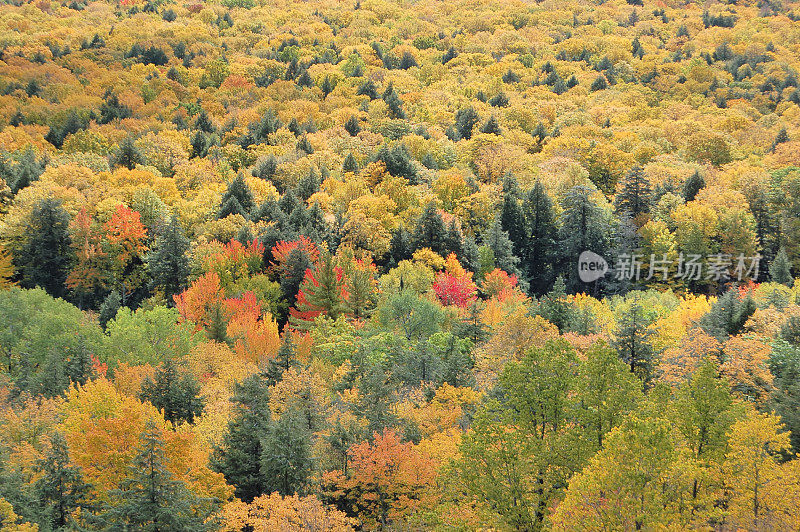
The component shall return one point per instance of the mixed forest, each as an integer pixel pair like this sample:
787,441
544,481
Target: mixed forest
314,265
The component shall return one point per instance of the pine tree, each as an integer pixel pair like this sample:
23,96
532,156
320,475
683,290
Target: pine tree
694,184
239,455
60,489
454,241
632,340
175,394
350,164
782,137
47,254
217,329
503,249
308,185
583,228
780,270
492,126
541,246
286,454
352,126
368,89
634,194
169,262
323,291
430,231
400,247
466,119
237,199
294,271
394,103
150,498
513,222
556,308
728,315
266,168
285,358
109,308
27,170
127,154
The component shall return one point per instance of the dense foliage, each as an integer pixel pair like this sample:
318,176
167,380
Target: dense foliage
317,265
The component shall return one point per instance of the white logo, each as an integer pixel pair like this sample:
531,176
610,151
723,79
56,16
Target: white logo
591,266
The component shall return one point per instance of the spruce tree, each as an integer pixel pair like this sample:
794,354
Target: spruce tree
285,358
109,308
430,231
541,246
169,262
583,228
497,240
492,126
46,256
27,170
176,394
513,222
780,270
60,490
400,247
352,126
350,164
286,458
326,293
150,498
394,103
237,199
694,184
308,185
127,154
634,194
239,455
632,340
294,270
465,121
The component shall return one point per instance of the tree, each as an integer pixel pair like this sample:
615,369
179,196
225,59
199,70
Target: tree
607,391
634,193
430,231
169,263
109,308
466,119
27,170
541,248
501,247
286,454
582,229
491,127
125,246
512,458
238,199
61,489
150,498
173,393
635,482
322,292
46,255
239,455
728,315
127,154
632,340
780,270
352,126
693,184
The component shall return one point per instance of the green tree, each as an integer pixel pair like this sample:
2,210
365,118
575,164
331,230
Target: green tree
286,454
727,315
583,228
169,262
60,489
46,256
632,340
430,231
465,122
693,184
524,446
238,199
27,170
127,154
150,498
780,270
541,246
606,391
634,194
173,392
239,455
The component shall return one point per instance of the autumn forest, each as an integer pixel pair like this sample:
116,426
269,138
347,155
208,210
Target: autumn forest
396,265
